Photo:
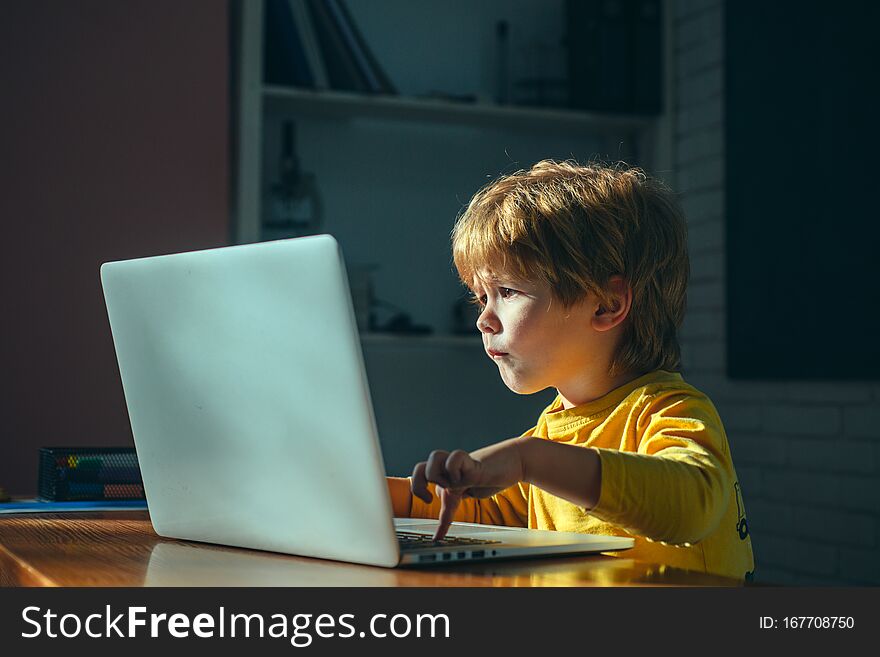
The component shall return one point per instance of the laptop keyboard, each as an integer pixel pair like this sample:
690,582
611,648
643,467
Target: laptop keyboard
412,540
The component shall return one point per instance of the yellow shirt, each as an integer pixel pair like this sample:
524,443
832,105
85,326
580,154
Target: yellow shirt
667,479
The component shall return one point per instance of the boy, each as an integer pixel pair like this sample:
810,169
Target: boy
580,274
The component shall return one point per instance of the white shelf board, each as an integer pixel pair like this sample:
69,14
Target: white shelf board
415,340
343,105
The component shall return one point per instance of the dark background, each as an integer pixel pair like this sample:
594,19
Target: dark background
117,139
115,124
802,229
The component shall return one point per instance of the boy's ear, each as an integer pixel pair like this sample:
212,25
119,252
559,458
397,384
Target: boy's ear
606,318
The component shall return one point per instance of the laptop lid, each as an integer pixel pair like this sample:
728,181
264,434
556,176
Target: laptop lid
245,386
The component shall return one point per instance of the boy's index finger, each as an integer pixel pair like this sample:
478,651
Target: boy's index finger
448,504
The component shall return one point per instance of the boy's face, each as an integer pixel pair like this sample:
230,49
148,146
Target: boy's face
534,340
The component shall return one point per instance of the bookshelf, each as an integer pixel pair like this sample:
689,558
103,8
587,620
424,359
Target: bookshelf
441,341
393,171
344,105
256,102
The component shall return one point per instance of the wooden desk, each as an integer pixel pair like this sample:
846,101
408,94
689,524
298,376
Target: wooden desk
120,548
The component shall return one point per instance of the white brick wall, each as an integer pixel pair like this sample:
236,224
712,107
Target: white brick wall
807,453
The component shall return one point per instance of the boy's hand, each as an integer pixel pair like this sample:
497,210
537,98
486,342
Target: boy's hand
458,474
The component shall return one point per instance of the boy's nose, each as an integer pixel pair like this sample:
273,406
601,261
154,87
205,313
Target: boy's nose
487,322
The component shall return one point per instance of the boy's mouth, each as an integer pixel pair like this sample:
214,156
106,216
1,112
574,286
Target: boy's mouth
495,354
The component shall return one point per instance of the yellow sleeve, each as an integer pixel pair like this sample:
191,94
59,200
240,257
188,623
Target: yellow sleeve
509,507
673,489
401,496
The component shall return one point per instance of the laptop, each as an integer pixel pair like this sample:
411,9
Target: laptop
251,413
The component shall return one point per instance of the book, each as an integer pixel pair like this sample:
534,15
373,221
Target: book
599,55
309,40
384,83
343,72
615,55
284,57
352,47
648,57
38,506
89,473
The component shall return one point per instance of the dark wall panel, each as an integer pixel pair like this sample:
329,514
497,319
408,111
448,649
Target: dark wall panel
114,122
802,213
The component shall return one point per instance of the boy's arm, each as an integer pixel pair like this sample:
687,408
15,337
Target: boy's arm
567,471
673,489
572,473
676,487
676,496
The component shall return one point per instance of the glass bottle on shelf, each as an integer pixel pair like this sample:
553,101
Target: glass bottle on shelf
294,205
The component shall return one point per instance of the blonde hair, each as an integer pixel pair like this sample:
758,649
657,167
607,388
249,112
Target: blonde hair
573,227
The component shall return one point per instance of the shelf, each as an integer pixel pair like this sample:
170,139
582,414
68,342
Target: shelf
429,340
646,140
342,105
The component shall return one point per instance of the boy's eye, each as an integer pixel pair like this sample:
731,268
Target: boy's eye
503,292
478,300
